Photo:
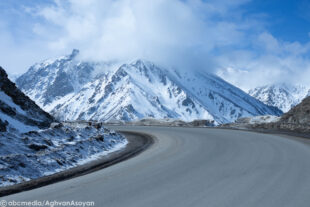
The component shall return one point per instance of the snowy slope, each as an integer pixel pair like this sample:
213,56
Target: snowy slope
132,92
54,78
142,89
284,96
224,101
17,112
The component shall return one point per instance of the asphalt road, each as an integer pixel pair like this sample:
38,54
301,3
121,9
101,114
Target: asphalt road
196,167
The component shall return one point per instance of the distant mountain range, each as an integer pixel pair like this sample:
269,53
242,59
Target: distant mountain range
284,96
71,89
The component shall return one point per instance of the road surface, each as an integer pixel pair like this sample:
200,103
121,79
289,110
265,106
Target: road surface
196,167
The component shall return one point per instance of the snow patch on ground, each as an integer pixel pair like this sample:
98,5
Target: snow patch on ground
248,122
264,119
259,119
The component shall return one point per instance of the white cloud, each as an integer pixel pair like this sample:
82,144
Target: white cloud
212,35
169,32
272,61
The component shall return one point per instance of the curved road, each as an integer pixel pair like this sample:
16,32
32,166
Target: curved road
196,167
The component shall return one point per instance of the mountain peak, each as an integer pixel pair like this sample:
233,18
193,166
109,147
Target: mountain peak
74,53
142,62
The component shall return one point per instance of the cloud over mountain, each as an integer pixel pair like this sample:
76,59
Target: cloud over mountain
215,36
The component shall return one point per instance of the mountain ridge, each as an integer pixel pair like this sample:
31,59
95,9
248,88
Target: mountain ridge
281,95
137,90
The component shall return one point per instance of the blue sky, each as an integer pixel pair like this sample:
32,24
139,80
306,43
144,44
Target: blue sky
248,43
287,20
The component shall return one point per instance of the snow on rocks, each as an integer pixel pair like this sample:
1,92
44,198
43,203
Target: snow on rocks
39,153
248,122
258,119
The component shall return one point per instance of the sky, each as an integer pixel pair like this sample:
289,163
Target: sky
249,43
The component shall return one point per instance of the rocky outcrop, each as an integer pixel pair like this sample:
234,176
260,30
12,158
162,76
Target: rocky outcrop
299,115
3,125
27,113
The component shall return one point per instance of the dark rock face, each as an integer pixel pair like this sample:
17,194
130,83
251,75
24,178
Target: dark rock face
3,126
37,147
35,116
60,87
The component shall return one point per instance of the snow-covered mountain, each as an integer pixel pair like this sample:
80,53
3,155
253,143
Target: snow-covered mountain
44,82
284,96
71,90
17,112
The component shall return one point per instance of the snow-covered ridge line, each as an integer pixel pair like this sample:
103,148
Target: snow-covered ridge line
135,91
